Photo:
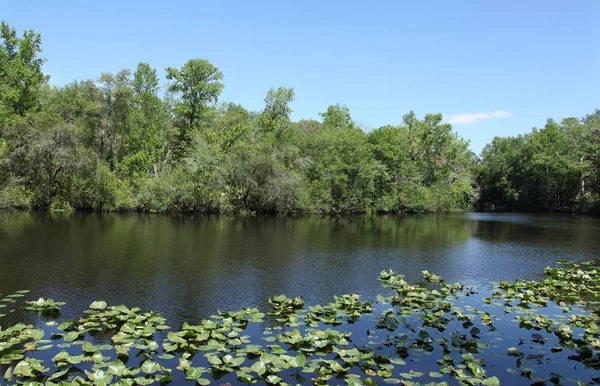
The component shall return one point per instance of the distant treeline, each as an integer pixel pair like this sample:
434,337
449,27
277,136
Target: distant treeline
556,168
120,142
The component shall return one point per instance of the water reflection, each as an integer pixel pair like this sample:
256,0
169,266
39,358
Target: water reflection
188,266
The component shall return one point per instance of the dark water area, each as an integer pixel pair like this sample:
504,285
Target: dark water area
188,267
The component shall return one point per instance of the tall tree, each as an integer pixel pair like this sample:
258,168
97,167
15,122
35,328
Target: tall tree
197,83
21,76
337,116
277,111
117,104
591,151
145,146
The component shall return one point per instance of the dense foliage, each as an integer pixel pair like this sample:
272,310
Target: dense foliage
556,168
119,142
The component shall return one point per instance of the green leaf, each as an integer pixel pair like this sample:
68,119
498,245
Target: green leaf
173,337
273,379
194,373
23,369
128,328
72,359
259,367
477,370
298,361
97,357
71,336
153,346
150,367
61,356
493,381
143,381
116,367
122,350
87,347
99,377
36,333
214,359
236,362
58,374
164,379
98,305
8,374
245,377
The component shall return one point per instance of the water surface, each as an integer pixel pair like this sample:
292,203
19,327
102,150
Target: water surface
187,267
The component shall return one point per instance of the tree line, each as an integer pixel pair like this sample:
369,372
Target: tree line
555,168
122,142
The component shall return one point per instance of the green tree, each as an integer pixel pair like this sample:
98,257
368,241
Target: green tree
232,123
421,166
591,153
22,79
115,115
61,173
394,167
501,172
275,117
196,84
338,117
144,150
554,169
339,168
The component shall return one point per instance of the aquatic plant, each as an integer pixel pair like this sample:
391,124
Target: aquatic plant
416,333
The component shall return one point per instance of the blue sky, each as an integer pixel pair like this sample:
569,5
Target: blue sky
491,67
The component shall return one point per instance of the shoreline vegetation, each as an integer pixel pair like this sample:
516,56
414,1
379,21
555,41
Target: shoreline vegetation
122,142
431,332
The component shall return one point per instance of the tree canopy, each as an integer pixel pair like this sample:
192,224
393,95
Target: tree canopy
555,168
121,142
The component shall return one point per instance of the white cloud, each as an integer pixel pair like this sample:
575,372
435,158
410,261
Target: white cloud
469,118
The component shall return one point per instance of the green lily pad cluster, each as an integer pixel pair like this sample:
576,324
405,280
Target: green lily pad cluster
431,332
345,309
17,339
426,319
285,309
45,307
284,305
567,286
10,300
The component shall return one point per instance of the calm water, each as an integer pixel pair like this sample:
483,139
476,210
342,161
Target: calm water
187,267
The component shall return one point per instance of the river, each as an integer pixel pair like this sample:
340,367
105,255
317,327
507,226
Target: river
187,267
